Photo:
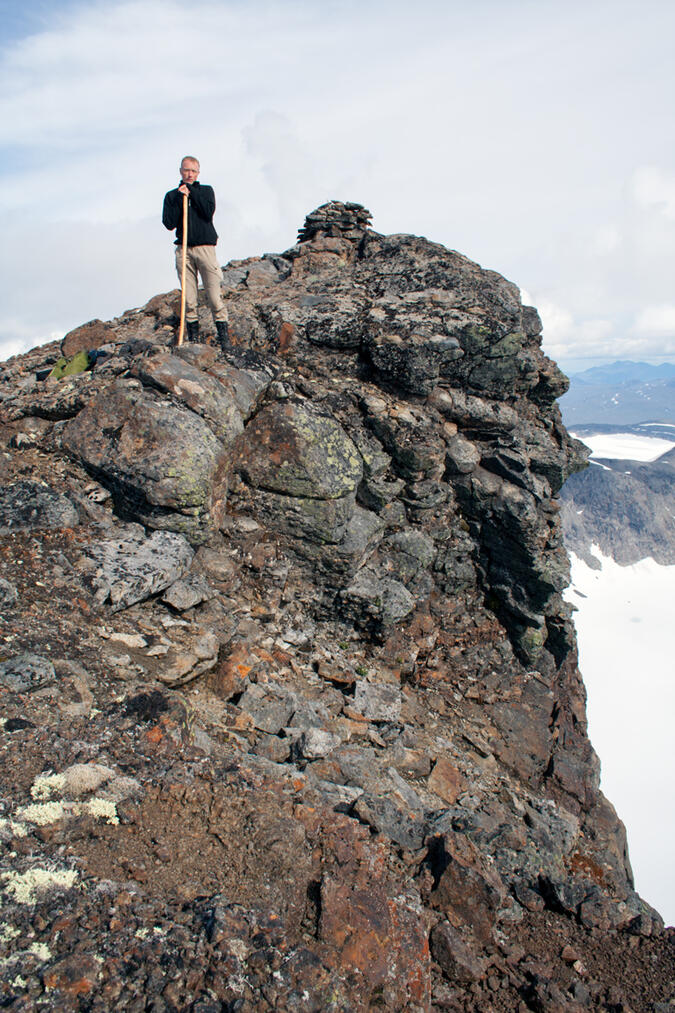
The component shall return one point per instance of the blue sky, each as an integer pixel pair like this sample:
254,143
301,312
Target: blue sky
536,138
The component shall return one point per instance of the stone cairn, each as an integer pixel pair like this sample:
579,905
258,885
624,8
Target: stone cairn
335,218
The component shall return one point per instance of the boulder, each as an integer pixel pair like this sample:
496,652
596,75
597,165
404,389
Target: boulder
197,390
86,337
291,449
162,463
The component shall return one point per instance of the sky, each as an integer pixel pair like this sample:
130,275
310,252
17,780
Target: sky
536,138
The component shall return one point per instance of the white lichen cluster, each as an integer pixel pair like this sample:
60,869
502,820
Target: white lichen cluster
12,828
76,780
41,951
8,932
47,785
41,814
26,887
102,809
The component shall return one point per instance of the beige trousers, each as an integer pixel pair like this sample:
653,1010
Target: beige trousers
201,260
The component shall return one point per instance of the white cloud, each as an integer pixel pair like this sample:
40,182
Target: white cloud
606,240
654,187
657,321
567,336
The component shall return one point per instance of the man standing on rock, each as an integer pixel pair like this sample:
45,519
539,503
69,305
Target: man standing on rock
201,247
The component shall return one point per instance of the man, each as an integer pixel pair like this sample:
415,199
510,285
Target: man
201,247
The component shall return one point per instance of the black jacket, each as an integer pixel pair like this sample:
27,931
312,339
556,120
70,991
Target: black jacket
201,205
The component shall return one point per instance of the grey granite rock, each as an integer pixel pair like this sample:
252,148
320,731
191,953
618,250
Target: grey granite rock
196,389
270,709
26,672
377,701
317,742
132,567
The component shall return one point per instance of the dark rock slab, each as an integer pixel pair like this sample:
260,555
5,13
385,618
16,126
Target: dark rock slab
392,818
458,960
26,506
467,885
319,521
375,929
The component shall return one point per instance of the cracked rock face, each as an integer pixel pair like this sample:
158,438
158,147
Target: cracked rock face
306,594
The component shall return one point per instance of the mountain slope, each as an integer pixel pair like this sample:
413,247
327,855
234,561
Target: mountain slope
624,507
293,711
620,394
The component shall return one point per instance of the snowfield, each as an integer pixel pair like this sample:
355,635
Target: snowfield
626,631
626,446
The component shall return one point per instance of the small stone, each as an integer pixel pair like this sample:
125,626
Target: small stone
446,781
274,748
569,954
268,712
317,742
187,593
26,672
377,701
458,961
74,976
8,594
128,639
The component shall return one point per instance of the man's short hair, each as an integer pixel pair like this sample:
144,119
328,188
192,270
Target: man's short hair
189,158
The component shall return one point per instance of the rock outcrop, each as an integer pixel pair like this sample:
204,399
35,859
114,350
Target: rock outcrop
306,596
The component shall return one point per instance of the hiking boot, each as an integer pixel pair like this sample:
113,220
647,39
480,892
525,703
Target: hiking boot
192,330
223,329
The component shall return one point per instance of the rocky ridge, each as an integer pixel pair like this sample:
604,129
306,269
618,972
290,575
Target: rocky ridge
286,661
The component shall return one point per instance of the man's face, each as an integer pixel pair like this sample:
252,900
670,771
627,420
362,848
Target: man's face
189,171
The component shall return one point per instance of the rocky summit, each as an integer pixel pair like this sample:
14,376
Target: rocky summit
292,712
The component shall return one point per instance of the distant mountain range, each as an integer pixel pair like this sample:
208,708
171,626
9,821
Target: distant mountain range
627,508
622,393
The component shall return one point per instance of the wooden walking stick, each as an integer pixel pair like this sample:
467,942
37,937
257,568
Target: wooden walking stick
182,276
